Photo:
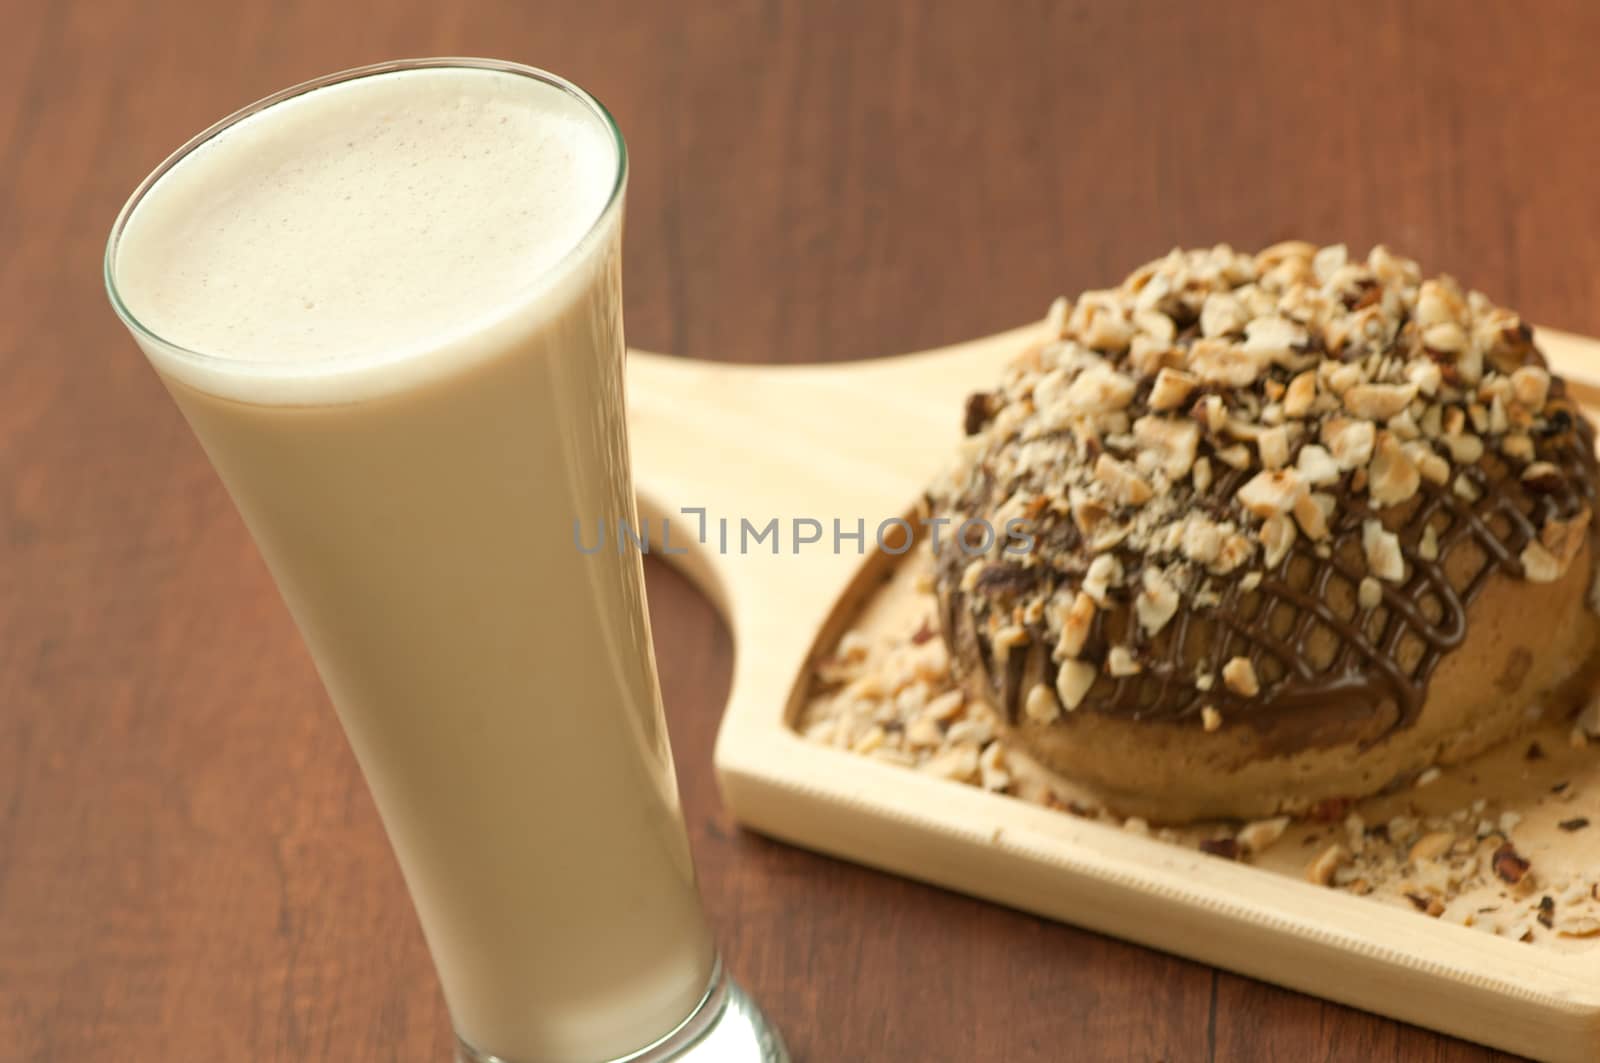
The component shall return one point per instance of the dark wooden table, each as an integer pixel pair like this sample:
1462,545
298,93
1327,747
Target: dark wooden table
190,867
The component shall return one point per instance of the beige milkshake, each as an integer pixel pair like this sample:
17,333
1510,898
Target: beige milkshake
390,308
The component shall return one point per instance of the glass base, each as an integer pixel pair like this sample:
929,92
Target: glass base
725,1027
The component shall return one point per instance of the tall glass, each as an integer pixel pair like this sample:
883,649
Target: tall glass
415,504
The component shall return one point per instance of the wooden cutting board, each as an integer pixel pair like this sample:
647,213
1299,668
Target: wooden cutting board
857,442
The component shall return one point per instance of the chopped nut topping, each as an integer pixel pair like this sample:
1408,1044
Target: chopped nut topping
1428,545
1237,456
1328,261
1439,303
1239,676
1432,467
1464,449
1382,548
1350,442
1426,375
1379,402
1156,603
1202,539
1539,565
1273,337
1235,551
1210,412
1041,705
1074,622
1499,419
1392,478
1220,362
1171,388
1270,493
1210,719
1311,516
1542,476
1127,487
1341,378
1009,638
1302,392
1055,319
1104,573
1273,446
1073,682
1100,389
1099,321
1167,444
1530,385
1156,325
1277,536
1316,466
1222,315
1088,513
1446,337
1120,661
1518,446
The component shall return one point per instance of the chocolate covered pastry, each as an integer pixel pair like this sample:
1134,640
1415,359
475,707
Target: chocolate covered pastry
1289,527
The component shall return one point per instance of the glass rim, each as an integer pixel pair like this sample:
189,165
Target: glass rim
205,136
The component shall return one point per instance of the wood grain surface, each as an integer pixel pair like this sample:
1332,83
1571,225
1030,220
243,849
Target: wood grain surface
190,867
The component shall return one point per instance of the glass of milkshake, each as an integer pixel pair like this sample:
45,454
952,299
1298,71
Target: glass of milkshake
388,302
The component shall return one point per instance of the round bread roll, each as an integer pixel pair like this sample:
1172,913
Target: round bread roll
1252,533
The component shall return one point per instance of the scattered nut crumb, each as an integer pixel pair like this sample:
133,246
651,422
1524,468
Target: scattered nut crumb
1257,837
1431,846
1320,870
1509,865
1227,848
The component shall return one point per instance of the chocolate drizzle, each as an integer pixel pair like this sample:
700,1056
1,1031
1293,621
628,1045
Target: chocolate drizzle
1315,649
